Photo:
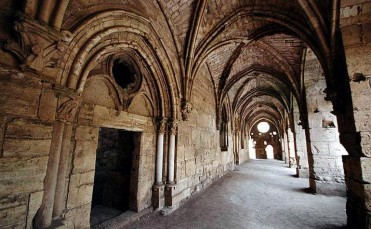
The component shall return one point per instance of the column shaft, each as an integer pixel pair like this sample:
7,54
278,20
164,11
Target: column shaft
171,162
159,158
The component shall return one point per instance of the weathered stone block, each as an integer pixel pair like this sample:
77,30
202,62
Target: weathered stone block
189,154
13,200
336,149
48,103
85,156
181,151
34,204
362,119
180,170
20,96
22,176
28,129
80,190
366,168
2,132
80,216
323,135
190,166
26,147
14,217
87,133
330,188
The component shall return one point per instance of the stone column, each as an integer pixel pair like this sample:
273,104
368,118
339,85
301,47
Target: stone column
160,153
287,149
158,187
62,172
52,185
170,185
355,27
171,160
283,149
43,218
252,153
291,146
237,147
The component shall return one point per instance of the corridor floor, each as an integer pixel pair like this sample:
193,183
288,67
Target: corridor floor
258,194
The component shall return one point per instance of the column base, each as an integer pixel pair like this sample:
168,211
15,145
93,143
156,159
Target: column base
303,172
358,181
169,194
158,196
358,215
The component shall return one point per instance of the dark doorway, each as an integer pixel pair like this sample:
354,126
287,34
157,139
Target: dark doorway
113,180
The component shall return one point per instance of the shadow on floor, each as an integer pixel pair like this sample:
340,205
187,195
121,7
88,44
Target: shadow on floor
333,227
304,190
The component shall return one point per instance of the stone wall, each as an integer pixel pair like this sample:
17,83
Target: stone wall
25,138
326,150
355,27
199,159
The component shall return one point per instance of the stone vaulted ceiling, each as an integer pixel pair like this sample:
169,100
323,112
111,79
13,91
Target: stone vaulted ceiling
252,49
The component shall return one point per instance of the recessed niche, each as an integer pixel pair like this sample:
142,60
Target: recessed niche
328,124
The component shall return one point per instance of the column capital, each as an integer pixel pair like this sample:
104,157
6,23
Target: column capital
67,109
173,125
161,126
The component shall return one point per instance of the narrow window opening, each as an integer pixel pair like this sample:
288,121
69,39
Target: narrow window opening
123,74
224,130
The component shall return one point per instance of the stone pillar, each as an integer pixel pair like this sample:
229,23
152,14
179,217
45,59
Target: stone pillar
171,162
291,147
355,26
252,153
158,187
301,144
288,149
43,218
312,183
59,200
236,147
52,202
283,146
170,185
358,180
159,157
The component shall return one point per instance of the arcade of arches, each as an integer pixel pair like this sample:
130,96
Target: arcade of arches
111,104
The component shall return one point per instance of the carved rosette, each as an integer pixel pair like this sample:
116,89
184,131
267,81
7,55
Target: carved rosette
37,46
186,108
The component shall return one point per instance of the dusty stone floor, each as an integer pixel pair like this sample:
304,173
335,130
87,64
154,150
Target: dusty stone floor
258,194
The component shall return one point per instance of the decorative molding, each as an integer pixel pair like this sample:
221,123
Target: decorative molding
37,46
